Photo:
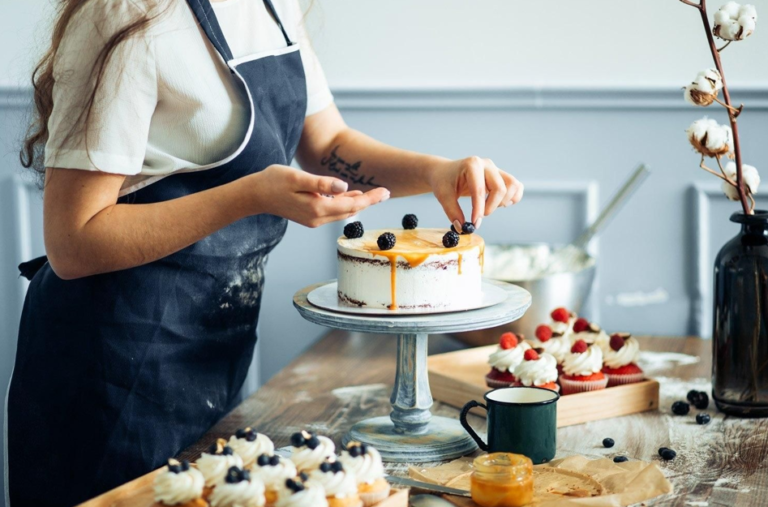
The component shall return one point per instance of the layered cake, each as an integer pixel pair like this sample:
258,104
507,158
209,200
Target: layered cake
410,268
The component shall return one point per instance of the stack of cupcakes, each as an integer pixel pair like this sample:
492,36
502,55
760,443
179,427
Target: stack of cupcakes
504,360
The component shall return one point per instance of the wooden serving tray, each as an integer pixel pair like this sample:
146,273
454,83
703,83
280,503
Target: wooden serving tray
140,493
458,377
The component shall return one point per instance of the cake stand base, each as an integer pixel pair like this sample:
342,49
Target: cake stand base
444,439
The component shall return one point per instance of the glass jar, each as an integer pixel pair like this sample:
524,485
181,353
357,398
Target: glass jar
502,479
740,327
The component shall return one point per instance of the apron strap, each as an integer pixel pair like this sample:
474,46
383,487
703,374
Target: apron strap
273,12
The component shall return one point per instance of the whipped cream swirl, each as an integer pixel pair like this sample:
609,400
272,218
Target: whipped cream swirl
538,372
558,347
313,495
307,459
240,494
214,467
367,467
274,477
624,356
599,338
584,364
249,451
336,484
178,488
563,328
508,359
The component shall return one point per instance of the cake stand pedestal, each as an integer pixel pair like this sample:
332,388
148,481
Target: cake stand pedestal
411,433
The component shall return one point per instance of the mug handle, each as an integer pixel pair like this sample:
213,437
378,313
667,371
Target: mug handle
463,419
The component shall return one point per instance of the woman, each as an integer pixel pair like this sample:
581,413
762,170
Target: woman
169,129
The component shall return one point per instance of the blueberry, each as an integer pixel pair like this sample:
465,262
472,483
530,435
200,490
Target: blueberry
450,240
703,418
363,448
240,433
667,454
213,449
245,475
293,485
297,440
303,476
313,442
251,436
354,230
702,402
325,467
467,228
608,442
233,475
337,467
184,465
386,241
354,451
662,449
453,229
692,395
227,451
410,221
263,460
274,461
620,459
174,468
680,408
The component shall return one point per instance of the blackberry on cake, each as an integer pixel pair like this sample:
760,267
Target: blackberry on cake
386,241
410,222
354,230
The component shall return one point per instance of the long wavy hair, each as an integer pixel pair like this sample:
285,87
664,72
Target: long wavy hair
32,150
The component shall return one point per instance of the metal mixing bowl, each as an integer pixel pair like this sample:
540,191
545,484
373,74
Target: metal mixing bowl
569,289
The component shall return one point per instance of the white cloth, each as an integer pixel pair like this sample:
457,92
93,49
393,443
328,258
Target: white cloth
167,101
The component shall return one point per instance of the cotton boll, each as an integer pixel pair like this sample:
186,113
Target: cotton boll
731,8
748,10
735,22
702,91
721,17
709,138
713,76
717,138
748,23
748,173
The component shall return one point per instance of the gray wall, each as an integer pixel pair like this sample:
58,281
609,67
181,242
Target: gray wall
571,148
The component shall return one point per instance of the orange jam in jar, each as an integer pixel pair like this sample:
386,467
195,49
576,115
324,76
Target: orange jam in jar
502,479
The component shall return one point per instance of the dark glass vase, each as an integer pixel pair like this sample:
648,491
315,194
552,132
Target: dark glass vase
740,334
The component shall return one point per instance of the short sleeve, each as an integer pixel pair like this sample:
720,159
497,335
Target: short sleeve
318,93
114,139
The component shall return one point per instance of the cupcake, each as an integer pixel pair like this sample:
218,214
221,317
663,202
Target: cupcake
621,360
590,333
340,485
562,322
556,343
310,451
273,471
249,445
179,485
296,493
538,370
503,360
582,369
365,462
238,490
215,463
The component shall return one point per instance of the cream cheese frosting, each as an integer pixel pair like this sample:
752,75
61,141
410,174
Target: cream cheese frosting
274,476
558,347
248,449
340,484
625,355
366,467
507,359
174,488
537,372
307,459
246,493
313,495
214,465
585,363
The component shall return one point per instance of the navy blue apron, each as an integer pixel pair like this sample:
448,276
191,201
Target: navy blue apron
117,372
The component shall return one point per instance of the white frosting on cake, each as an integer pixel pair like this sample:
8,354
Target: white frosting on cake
426,274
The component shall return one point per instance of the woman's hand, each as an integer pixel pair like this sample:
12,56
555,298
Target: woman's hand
479,178
307,199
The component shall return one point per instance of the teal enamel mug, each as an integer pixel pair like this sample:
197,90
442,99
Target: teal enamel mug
521,420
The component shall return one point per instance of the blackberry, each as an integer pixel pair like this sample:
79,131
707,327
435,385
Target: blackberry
354,230
608,442
680,408
468,228
386,241
620,459
667,454
703,418
450,239
410,221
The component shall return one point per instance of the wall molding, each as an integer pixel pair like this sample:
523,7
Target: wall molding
512,98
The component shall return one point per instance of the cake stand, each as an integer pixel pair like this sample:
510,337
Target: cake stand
411,433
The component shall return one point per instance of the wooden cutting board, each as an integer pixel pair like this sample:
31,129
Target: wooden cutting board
458,377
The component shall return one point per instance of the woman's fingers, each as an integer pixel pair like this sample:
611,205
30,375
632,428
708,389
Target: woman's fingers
450,204
325,185
497,188
475,174
349,205
514,190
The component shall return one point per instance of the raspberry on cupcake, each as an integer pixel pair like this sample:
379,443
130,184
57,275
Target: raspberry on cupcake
562,321
582,329
553,342
538,370
504,359
621,360
179,485
582,369
365,462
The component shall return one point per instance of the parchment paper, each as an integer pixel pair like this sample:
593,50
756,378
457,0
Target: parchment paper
624,483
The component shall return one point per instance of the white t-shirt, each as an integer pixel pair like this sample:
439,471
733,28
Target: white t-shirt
167,101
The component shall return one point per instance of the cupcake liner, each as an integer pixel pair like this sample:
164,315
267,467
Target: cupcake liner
495,383
371,498
568,386
345,502
624,378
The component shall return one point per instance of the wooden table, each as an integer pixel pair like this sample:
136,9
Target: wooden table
346,377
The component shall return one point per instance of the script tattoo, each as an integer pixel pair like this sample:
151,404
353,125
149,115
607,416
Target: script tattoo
344,169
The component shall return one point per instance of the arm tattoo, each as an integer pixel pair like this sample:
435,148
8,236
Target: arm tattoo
344,169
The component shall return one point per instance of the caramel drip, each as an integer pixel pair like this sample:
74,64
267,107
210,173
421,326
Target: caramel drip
460,258
482,258
393,282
